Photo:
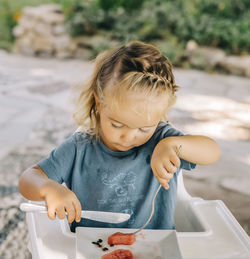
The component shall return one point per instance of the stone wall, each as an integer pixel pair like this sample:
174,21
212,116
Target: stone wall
41,32
216,59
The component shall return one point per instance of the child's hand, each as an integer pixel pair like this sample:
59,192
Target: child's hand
164,162
59,200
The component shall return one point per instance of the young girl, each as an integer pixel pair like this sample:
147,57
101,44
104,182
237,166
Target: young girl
127,148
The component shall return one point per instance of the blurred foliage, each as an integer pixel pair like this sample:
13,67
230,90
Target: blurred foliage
128,5
167,23
10,12
223,23
7,22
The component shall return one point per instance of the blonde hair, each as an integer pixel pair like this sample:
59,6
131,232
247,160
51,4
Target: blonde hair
137,66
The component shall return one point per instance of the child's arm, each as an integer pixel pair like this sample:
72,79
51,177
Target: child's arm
196,149
34,184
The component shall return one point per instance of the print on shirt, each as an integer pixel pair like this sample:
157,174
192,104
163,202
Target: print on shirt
121,183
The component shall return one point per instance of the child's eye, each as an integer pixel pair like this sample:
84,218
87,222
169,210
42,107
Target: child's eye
118,126
144,130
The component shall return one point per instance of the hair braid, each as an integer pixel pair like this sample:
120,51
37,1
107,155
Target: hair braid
135,66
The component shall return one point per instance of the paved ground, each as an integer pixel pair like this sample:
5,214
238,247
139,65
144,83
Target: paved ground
35,108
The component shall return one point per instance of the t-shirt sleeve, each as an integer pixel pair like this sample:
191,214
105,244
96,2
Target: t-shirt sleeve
58,165
166,130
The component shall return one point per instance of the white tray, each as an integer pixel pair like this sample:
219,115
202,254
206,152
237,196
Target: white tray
149,244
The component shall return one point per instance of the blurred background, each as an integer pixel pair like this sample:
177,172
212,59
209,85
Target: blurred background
46,47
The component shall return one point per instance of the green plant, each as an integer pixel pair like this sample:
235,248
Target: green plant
99,47
224,24
7,22
171,48
128,5
215,23
10,12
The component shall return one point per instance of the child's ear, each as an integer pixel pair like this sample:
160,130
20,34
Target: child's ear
97,102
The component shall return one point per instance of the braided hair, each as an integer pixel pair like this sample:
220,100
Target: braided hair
137,66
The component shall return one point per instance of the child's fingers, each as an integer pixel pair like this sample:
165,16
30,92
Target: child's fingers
164,183
169,167
71,212
51,213
175,160
60,211
162,180
78,210
163,173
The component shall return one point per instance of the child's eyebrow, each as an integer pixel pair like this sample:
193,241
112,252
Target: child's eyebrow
128,126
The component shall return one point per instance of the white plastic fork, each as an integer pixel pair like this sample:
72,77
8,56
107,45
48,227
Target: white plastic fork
153,203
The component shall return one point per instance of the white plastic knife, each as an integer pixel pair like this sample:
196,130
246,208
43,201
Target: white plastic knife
103,216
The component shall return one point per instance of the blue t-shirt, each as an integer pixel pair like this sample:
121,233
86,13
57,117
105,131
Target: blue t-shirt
115,181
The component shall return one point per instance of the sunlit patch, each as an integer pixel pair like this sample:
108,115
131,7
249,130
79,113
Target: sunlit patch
229,183
245,159
216,116
221,130
40,72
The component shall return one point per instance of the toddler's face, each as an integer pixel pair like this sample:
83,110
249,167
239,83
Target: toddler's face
130,123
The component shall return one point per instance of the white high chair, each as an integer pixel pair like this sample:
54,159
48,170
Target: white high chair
205,230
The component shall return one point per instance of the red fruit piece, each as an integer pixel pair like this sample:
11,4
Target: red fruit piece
119,238
118,254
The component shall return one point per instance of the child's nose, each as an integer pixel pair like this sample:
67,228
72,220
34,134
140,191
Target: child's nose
128,136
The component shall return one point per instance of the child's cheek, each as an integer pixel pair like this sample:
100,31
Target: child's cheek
114,136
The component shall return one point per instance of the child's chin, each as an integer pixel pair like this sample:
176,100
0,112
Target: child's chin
122,148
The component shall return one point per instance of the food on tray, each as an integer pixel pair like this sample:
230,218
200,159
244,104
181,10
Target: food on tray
99,244
119,238
118,254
